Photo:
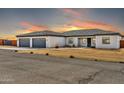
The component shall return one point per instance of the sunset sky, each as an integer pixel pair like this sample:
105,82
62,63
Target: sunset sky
19,21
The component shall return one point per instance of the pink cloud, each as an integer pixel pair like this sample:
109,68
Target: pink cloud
71,11
25,24
73,25
75,13
33,27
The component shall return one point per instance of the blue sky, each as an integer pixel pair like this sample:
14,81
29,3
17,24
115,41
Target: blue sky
52,18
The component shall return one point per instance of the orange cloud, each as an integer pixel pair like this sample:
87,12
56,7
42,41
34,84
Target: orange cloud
37,28
72,25
8,36
63,28
94,25
77,24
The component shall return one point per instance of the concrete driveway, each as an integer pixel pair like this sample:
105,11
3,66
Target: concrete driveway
32,69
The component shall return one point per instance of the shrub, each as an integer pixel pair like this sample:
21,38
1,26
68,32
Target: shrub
121,62
56,46
95,59
72,56
31,52
73,45
47,54
67,46
16,50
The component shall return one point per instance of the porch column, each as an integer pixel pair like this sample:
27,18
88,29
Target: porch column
17,42
30,42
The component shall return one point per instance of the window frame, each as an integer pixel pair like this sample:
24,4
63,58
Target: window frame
106,40
93,41
72,42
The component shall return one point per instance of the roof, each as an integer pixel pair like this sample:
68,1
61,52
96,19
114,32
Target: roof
41,33
89,32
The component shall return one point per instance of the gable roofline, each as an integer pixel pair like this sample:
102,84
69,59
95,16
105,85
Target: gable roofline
41,33
89,32
72,33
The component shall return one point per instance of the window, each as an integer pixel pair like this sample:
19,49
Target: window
106,40
94,41
84,41
70,40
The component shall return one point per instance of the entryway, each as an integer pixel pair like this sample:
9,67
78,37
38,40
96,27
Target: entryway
88,42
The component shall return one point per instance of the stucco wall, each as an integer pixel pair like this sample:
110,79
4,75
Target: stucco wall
114,42
56,41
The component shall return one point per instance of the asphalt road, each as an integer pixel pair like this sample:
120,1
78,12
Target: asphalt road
33,69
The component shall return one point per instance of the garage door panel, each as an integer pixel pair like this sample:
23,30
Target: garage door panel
39,42
24,42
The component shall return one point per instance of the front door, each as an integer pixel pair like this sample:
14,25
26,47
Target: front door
88,42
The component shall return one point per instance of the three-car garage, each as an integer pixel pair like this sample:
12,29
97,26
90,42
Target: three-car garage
41,39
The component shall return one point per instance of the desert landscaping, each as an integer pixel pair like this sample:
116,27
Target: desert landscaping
82,53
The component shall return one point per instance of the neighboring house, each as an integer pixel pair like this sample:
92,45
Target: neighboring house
8,42
77,38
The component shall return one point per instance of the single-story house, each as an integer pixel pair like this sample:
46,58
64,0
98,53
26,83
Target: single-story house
79,38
